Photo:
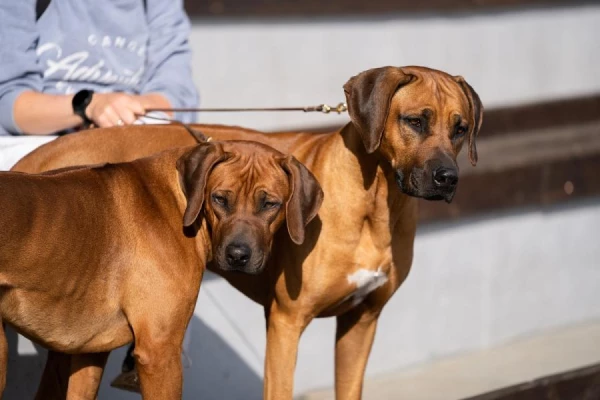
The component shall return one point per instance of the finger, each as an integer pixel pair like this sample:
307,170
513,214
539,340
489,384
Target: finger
111,116
136,107
126,115
131,103
103,122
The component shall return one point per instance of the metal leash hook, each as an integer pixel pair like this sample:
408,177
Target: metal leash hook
326,109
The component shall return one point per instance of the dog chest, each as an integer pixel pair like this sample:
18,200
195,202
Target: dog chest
365,281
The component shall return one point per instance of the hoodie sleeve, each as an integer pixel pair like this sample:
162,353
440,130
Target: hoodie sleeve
19,69
168,69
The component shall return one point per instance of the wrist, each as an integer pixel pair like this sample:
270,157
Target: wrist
36,113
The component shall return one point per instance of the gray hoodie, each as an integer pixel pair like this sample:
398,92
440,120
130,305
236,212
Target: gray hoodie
107,45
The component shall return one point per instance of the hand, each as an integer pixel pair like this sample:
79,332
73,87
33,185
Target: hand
112,109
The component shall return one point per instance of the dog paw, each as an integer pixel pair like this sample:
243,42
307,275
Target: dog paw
128,381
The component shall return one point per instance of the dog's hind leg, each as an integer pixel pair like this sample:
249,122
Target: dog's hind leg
86,374
355,332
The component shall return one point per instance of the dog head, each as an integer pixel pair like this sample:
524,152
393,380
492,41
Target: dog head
418,120
246,190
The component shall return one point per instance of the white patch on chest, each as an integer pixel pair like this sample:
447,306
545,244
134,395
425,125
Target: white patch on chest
366,281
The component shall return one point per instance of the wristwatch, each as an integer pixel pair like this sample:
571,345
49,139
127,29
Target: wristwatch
80,101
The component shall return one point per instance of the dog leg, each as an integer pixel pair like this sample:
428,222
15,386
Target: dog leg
283,335
86,374
55,378
3,358
159,367
128,378
355,332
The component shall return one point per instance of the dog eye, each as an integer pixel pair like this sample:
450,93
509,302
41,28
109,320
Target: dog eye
461,130
268,205
220,200
415,122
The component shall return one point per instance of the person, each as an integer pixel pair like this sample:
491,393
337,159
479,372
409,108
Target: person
99,63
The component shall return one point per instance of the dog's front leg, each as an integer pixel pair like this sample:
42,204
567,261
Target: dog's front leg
86,374
283,335
354,336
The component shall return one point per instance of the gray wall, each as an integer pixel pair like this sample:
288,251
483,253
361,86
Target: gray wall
488,280
508,57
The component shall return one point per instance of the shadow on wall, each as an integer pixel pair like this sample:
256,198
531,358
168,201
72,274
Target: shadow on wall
216,371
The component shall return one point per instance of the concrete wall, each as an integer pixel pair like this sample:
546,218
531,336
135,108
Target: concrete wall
508,57
487,281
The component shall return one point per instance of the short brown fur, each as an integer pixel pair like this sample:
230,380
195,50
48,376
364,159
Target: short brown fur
92,258
366,222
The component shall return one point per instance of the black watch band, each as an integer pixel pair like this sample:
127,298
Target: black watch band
80,101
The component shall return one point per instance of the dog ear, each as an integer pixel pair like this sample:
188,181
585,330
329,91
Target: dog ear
476,109
304,200
369,95
194,167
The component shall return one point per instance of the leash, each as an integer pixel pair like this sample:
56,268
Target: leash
323,108
196,134
200,137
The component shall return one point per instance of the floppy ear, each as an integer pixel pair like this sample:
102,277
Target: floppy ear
194,167
368,96
305,198
476,109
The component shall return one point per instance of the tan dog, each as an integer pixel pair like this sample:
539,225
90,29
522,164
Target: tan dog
408,125
93,258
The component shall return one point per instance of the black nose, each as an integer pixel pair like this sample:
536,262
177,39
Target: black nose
237,255
445,178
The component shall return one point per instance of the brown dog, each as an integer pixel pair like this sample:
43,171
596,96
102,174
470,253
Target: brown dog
407,127
93,258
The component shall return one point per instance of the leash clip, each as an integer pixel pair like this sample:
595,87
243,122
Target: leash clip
326,109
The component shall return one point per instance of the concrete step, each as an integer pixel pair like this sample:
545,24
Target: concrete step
470,374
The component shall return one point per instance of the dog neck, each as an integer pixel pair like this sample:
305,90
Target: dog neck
373,172
174,203
369,164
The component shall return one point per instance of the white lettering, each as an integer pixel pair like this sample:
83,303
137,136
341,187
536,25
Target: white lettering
93,72
120,42
66,65
79,72
136,78
72,68
47,47
106,42
108,77
132,46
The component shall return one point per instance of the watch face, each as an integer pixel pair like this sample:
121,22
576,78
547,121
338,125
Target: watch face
82,99
80,102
